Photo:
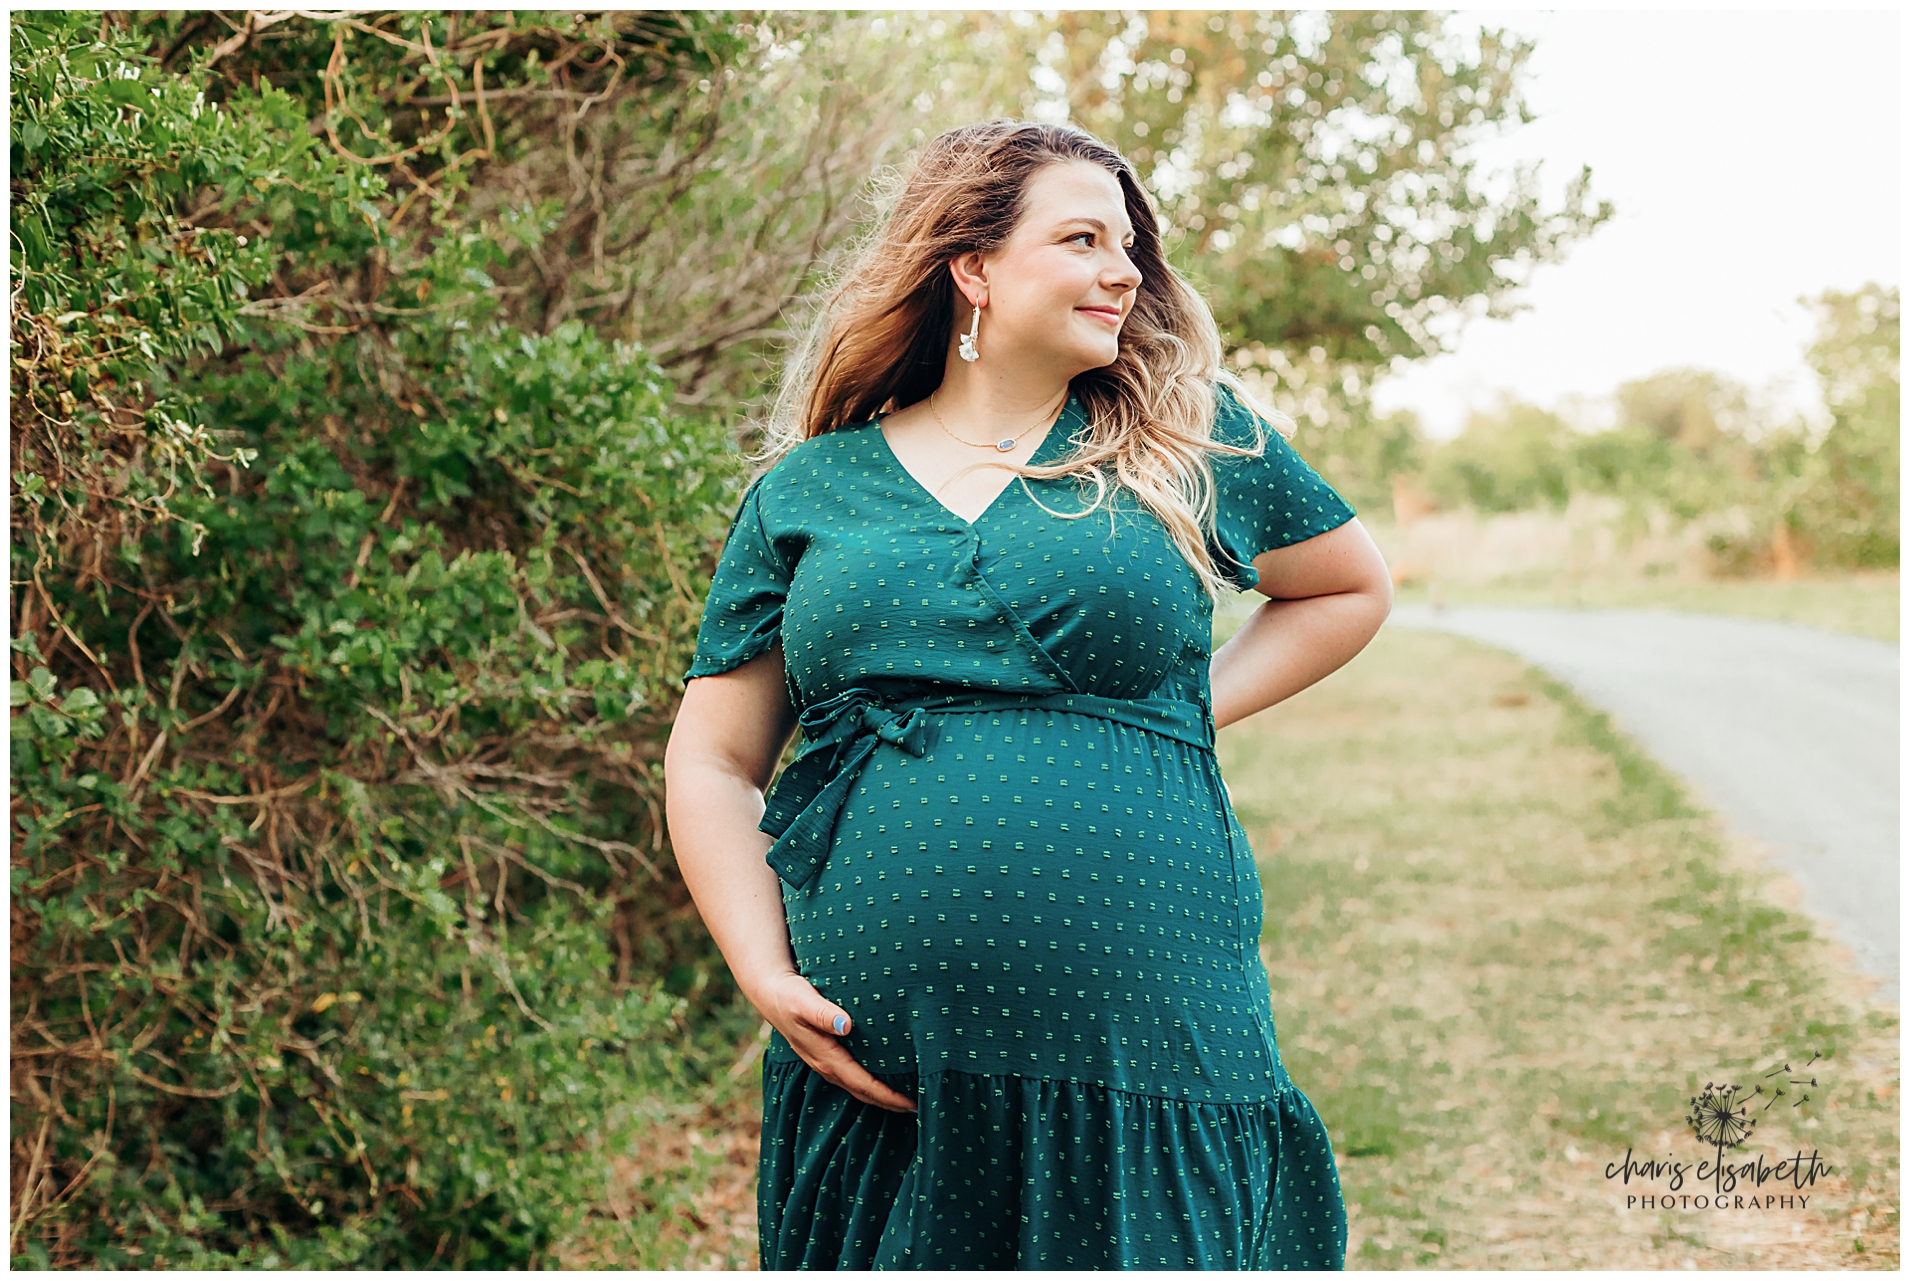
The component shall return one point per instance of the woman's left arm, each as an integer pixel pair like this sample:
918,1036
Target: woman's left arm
1329,596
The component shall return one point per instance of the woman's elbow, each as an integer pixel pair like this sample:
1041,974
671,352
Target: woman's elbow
1374,581
1382,591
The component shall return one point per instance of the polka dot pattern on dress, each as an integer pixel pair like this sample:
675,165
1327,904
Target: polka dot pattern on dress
1045,922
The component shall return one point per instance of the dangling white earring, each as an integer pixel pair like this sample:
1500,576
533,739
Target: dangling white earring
967,349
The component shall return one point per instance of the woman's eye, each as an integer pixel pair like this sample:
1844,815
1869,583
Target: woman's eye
1082,235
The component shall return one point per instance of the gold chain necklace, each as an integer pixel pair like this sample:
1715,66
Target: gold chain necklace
1007,443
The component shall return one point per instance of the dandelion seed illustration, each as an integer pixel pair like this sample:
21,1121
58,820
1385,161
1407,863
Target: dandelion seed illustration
1719,1118
1784,1070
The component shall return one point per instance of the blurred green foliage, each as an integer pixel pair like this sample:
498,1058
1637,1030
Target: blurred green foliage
1691,441
375,379
1848,492
1515,458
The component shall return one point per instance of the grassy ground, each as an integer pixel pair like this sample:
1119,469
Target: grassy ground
1505,950
1865,604
683,1195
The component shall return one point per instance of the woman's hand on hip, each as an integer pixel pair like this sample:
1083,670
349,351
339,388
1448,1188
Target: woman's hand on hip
813,1025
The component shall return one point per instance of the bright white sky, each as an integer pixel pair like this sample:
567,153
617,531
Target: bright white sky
1752,157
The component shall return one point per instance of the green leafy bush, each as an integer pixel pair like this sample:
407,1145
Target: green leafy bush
1517,458
344,652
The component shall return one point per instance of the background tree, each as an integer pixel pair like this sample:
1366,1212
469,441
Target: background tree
1315,169
1849,505
1514,458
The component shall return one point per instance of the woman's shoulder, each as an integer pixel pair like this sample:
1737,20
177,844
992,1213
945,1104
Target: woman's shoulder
831,449
1237,422
826,457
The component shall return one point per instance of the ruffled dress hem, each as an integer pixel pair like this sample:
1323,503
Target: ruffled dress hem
1006,1171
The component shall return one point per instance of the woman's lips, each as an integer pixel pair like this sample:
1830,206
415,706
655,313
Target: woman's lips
1110,314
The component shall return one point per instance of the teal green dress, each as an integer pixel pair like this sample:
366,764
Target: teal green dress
1006,850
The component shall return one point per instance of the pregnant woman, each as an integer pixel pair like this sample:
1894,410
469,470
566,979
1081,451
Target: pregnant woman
998,910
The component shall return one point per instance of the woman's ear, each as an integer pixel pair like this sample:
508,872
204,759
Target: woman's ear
971,278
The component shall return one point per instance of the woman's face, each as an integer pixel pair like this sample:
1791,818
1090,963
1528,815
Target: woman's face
1061,286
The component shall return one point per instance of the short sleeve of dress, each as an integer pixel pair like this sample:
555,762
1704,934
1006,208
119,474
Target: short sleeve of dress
1273,500
743,615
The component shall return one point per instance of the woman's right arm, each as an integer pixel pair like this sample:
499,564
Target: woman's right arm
729,733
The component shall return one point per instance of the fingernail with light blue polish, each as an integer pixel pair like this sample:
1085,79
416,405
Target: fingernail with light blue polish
842,1024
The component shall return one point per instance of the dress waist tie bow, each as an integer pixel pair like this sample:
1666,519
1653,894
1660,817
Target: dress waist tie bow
842,732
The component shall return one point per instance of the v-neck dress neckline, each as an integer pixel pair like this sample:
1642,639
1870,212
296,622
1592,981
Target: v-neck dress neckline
1066,423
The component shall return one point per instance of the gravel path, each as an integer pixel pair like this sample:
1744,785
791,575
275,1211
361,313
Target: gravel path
1791,733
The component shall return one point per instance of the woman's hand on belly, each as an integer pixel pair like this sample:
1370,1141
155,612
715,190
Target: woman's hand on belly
811,1025
730,729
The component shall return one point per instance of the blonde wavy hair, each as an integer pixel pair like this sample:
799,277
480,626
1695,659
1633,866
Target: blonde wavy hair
877,337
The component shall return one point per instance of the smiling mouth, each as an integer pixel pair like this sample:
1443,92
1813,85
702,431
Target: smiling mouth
1105,313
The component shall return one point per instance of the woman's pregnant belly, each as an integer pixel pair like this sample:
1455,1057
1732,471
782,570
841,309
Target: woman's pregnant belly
1045,894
